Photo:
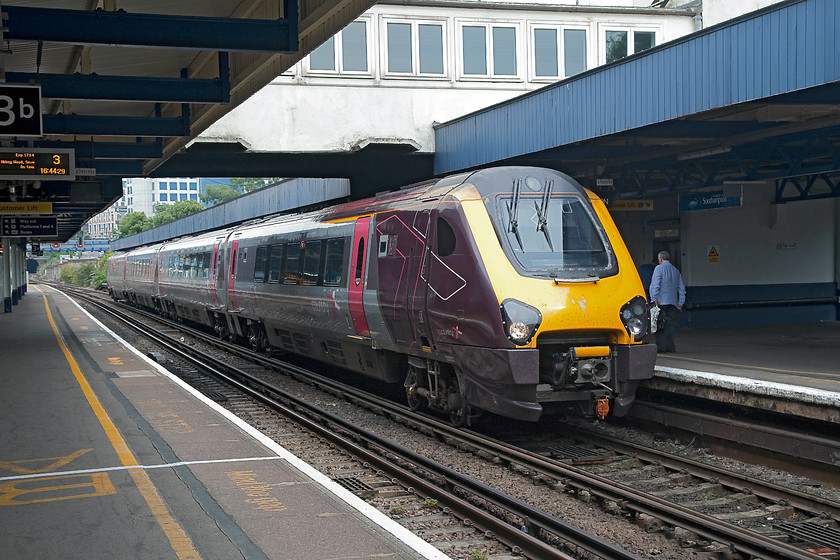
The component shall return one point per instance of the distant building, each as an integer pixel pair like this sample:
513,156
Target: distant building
143,195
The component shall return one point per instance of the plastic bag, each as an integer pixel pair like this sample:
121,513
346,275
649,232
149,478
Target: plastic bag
654,317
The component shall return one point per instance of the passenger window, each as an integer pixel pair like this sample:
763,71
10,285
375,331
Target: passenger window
312,263
333,261
291,267
259,264
445,238
360,260
275,263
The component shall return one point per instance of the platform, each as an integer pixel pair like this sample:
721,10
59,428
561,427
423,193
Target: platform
793,369
103,454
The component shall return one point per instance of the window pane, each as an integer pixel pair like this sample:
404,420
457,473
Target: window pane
323,58
311,263
545,52
275,263
504,51
431,49
399,47
643,40
334,260
475,50
616,45
291,269
163,197
574,51
259,264
354,47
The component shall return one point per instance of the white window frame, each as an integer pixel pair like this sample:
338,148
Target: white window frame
630,28
561,49
521,60
415,47
338,59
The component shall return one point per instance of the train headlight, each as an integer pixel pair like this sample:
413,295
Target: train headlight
634,315
521,321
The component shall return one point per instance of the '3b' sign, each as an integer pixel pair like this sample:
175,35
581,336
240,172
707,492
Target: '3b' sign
20,110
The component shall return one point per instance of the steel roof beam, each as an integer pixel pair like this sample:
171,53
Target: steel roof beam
98,27
126,88
116,126
108,150
119,167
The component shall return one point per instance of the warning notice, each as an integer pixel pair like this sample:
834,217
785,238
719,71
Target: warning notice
712,254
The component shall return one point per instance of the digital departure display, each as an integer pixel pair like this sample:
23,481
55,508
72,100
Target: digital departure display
38,163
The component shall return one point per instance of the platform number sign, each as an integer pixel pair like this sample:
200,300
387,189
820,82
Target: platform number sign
20,110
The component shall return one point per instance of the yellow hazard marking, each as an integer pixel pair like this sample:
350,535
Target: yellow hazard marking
55,462
115,361
178,539
258,493
21,492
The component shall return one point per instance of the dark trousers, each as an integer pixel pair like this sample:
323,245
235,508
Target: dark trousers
665,329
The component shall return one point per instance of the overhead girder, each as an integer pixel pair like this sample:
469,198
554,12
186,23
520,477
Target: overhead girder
106,150
811,153
99,27
130,88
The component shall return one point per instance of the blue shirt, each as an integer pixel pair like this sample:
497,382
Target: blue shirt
666,285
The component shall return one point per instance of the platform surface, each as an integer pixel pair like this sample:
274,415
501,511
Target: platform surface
105,455
805,357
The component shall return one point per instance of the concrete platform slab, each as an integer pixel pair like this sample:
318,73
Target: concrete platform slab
104,454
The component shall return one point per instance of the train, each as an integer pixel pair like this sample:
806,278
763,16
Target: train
505,290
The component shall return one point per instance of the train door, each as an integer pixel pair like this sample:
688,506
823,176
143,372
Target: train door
216,279
357,276
234,246
403,252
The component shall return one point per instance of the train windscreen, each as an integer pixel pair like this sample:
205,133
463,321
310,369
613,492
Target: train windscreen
554,234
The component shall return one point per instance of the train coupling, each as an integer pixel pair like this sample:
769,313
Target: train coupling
602,407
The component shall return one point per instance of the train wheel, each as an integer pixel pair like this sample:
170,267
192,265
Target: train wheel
415,401
457,404
460,415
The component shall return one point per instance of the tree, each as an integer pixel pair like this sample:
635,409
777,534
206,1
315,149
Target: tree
218,194
133,223
165,213
250,184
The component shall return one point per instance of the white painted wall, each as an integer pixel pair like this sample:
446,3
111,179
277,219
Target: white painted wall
308,111
716,11
760,242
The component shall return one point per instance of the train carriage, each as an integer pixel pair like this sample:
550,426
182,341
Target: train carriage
506,290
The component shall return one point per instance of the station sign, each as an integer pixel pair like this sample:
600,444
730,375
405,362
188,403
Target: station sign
646,205
38,163
708,201
26,208
20,111
26,227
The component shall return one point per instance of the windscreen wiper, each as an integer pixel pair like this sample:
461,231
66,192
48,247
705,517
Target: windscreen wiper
513,211
542,212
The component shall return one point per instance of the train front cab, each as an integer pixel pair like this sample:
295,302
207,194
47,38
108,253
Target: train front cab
571,311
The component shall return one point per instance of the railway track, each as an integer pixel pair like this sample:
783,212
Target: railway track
524,529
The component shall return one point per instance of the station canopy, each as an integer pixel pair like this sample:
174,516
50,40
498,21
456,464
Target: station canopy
99,90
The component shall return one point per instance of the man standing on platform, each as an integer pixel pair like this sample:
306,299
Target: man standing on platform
668,291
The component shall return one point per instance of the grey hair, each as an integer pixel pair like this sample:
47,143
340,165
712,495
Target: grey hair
664,255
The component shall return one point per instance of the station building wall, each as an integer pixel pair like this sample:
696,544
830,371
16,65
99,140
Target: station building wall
396,70
757,263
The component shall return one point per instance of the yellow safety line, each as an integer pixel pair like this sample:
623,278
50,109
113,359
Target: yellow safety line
178,539
762,368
